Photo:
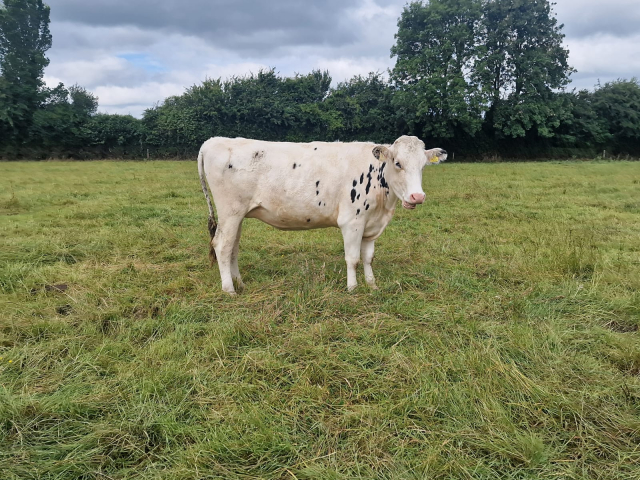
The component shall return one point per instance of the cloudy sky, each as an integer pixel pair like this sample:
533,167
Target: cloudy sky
134,53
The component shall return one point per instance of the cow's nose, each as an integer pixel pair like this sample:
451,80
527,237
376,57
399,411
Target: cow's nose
417,198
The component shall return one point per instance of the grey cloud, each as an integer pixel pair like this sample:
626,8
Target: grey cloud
247,26
77,37
586,18
193,39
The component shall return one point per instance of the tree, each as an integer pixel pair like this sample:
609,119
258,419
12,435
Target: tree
581,128
51,130
264,106
435,48
521,63
59,126
83,103
113,135
24,39
618,104
270,107
362,110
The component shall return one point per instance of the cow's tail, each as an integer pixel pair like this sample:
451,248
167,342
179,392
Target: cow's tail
211,225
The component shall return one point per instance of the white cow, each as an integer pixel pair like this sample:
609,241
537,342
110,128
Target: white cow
298,186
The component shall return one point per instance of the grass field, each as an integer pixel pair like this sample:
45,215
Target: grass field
503,342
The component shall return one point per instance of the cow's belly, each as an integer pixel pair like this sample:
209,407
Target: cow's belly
292,218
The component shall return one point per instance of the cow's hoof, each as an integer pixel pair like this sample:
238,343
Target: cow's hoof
373,287
351,288
239,285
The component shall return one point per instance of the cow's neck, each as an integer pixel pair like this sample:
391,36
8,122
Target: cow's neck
391,200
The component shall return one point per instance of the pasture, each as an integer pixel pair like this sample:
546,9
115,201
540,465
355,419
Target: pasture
503,342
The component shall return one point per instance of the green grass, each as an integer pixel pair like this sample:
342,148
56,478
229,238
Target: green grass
503,342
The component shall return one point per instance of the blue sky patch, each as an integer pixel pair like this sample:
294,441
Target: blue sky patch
144,61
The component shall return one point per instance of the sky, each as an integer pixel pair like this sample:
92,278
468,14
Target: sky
133,54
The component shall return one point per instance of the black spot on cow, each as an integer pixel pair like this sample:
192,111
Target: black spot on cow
358,197
366,189
384,164
358,212
230,166
383,182
324,204
258,155
308,220
353,195
355,182
317,183
367,207
294,166
319,203
315,148
317,192
370,168
361,178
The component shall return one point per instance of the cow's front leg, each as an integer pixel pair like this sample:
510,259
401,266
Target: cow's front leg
224,243
366,251
352,236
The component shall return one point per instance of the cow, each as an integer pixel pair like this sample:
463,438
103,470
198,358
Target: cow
299,186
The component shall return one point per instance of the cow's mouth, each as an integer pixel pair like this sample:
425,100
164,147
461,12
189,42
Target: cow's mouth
408,206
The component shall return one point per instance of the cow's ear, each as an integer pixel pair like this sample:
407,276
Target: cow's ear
382,151
435,156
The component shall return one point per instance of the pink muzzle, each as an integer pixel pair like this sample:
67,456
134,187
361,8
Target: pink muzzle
415,198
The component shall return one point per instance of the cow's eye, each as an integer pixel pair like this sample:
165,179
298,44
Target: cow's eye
398,165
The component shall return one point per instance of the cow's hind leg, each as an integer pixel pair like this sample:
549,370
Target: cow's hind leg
366,250
224,243
235,271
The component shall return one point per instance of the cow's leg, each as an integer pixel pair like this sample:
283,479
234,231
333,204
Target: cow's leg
352,241
366,250
235,271
224,243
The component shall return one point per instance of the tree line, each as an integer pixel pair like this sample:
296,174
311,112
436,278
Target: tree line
482,78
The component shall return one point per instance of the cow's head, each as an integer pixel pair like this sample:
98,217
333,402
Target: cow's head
405,160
